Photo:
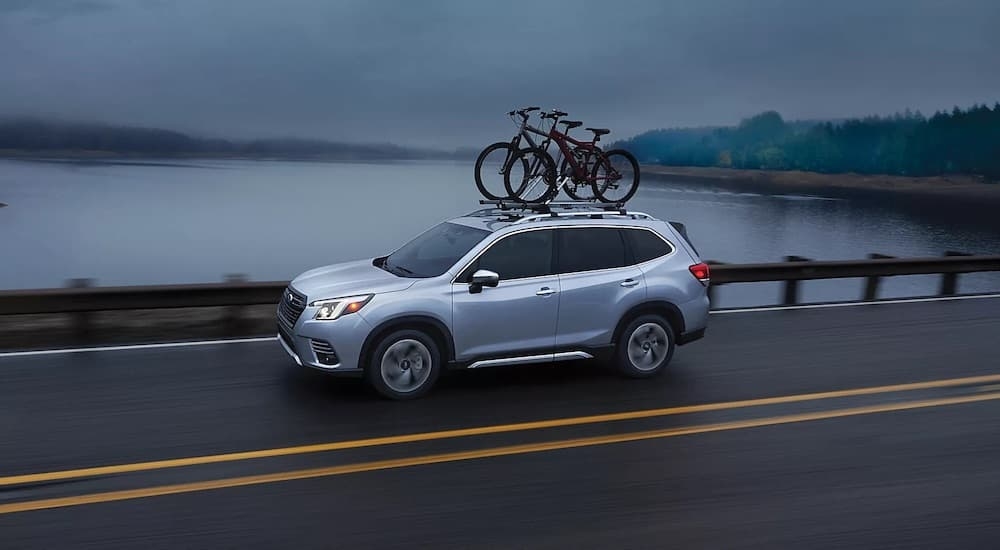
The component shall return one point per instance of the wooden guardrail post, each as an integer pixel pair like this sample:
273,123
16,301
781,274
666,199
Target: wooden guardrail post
81,320
711,286
949,281
872,281
792,285
235,315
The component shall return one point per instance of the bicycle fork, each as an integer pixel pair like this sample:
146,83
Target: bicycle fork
508,162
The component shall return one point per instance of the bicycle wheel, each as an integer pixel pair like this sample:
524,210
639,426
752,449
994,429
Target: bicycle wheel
540,183
492,167
578,189
615,177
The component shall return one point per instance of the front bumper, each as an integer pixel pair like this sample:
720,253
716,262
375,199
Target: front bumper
288,349
329,346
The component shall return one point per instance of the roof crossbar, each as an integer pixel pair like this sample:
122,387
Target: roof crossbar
522,212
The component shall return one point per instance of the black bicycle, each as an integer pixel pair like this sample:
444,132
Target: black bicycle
500,161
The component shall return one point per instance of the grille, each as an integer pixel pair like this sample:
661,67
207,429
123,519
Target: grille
290,308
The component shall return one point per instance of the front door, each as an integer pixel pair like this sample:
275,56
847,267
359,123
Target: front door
518,316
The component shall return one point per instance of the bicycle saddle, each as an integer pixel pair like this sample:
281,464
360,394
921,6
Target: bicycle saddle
599,131
571,123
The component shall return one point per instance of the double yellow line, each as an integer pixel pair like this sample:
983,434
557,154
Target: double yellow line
489,452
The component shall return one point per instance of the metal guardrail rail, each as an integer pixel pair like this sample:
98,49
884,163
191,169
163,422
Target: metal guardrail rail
80,297
797,268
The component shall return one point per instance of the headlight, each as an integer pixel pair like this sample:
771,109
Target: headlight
338,307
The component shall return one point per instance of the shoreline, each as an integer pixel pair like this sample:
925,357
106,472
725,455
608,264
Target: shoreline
953,188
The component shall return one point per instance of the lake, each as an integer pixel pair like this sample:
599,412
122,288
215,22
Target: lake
197,221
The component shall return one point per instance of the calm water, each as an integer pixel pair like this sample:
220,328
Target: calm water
198,221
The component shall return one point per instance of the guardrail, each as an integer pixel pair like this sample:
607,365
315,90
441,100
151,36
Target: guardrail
797,268
81,298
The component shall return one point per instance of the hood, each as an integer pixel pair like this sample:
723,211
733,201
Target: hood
348,279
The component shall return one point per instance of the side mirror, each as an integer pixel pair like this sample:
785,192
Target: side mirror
481,278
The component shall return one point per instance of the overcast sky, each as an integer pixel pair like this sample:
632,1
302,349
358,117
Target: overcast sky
443,72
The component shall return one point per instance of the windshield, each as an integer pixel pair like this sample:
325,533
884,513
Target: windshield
434,251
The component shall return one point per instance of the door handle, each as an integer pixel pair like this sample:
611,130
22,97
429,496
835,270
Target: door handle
545,291
629,283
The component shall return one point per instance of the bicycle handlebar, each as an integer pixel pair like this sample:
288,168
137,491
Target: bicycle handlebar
523,112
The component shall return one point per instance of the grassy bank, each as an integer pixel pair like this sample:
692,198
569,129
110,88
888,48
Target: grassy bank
789,181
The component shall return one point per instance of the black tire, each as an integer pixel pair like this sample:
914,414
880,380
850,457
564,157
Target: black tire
540,185
625,165
577,190
393,345
642,328
485,189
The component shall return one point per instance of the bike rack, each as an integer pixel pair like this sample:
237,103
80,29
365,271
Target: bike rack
552,207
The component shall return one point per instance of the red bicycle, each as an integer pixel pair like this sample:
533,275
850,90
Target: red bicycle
612,176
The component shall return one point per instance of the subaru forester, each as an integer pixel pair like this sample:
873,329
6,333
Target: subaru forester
500,287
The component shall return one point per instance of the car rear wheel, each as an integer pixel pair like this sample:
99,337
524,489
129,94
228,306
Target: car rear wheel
405,365
645,347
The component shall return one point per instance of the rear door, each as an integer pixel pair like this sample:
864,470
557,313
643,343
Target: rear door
597,285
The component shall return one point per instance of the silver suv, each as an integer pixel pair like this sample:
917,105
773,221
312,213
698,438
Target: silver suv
502,287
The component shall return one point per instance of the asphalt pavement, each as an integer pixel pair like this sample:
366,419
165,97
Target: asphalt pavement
858,427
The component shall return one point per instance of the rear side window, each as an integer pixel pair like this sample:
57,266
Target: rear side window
646,245
518,256
590,248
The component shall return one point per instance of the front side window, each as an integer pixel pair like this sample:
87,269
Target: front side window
518,256
434,251
591,248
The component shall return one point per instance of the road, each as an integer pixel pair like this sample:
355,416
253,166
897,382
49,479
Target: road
869,426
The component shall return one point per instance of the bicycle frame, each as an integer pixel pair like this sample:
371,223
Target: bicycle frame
562,139
525,131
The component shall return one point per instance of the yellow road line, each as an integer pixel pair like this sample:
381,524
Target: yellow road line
113,496
484,430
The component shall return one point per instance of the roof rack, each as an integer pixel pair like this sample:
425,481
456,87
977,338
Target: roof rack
518,211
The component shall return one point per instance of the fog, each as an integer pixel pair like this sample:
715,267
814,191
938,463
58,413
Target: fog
442,73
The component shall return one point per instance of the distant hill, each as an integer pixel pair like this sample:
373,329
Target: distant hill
908,144
57,137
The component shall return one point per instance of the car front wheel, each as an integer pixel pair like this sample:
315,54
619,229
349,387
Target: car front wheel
404,365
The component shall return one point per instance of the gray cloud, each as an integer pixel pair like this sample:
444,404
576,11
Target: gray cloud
443,72
42,11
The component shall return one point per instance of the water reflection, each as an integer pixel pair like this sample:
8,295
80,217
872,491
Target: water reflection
155,224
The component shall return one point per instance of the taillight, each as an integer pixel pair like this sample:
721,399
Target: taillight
700,272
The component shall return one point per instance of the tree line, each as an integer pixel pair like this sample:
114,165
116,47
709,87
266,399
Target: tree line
39,136
910,144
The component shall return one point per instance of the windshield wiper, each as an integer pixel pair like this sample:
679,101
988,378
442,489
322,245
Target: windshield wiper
404,270
395,269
